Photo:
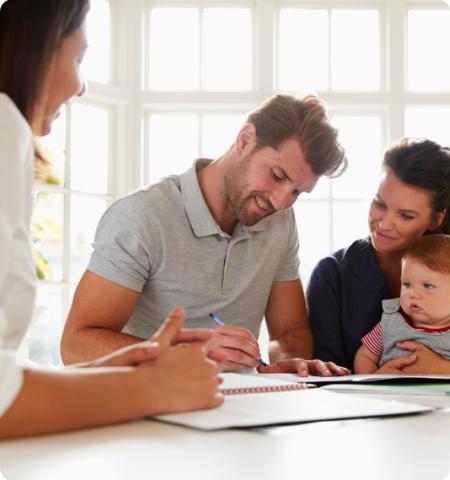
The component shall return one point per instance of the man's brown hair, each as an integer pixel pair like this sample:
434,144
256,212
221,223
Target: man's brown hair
284,116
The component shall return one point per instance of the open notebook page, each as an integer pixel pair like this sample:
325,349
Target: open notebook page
277,408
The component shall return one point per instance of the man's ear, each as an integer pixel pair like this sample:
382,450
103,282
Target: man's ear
246,140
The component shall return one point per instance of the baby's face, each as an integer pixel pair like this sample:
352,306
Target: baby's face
425,295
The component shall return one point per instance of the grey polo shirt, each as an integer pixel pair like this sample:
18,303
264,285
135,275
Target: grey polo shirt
164,243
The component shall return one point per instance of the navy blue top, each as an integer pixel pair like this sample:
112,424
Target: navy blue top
344,298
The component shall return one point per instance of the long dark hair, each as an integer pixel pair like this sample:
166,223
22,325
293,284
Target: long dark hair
31,32
424,164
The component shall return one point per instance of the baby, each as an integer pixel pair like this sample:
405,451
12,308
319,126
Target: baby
421,314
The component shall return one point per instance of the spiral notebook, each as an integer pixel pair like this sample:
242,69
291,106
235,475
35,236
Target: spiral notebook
235,384
253,400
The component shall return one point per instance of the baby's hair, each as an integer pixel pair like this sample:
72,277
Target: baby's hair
433,251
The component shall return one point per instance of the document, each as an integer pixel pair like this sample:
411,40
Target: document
428,389
357,378
285,407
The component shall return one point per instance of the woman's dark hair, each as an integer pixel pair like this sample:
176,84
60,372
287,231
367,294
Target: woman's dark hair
31,32
424,164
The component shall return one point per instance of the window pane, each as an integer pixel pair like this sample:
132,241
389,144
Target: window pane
303,50
428,39
90,140
54,149
355,50
47,235
85,215
174,144
44,336
313,223
219,133
361,137
321,190
429,122
227,59
174,49
349,222
96,63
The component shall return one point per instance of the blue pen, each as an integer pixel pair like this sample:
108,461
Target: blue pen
219,322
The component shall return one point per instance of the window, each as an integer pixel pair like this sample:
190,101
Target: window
174,80
72,198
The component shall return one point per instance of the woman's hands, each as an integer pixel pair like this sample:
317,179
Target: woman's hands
170,374
422,360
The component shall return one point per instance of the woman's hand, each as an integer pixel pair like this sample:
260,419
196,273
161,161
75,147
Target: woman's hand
172,376
181,377
427,361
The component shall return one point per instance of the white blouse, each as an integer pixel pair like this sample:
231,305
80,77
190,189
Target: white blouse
17,271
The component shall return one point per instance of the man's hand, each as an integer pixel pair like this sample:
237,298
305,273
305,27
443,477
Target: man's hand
305,367
235,347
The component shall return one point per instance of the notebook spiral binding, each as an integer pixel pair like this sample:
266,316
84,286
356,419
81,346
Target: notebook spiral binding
266,389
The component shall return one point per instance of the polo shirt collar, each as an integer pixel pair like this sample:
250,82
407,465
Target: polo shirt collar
200,217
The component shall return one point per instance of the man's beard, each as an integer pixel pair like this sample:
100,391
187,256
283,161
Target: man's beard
236,185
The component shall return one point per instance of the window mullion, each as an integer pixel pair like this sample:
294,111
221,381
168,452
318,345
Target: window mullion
397,13
266,43
67,198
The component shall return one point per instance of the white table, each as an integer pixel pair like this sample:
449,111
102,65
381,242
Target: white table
411,447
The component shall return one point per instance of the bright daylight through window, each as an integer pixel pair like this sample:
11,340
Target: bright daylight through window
169,83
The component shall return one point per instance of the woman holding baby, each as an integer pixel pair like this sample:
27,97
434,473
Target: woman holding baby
347,287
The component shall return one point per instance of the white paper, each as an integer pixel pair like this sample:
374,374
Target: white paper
275,408
356,378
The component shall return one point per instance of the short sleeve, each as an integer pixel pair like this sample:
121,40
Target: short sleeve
373,340
289,267
11,378
121,252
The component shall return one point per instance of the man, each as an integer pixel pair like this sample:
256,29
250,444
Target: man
219,238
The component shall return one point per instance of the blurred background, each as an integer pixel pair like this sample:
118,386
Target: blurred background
171,81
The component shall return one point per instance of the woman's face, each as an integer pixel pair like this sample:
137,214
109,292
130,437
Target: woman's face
63,80
399,214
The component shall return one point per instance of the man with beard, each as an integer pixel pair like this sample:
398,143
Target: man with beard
219,238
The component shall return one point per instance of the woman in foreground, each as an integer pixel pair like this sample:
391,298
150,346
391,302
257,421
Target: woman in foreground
42,43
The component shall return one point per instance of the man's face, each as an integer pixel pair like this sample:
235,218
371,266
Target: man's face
268,180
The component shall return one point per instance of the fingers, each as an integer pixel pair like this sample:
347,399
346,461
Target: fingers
238,345
129,356
190,380
292,365
409,345
272,368
317,367
231,359
337,370
402,362
192,335
235,347
216,355
170,328
305,367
